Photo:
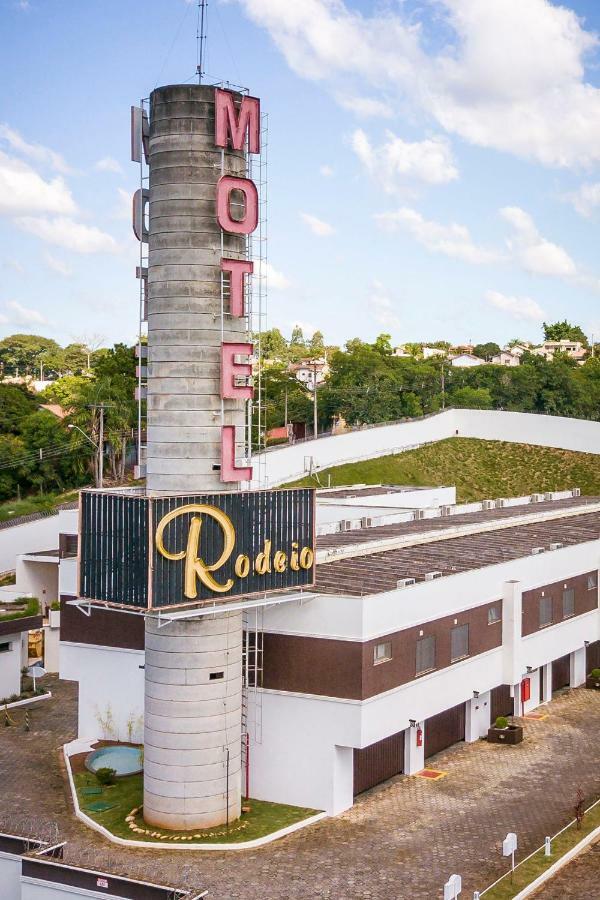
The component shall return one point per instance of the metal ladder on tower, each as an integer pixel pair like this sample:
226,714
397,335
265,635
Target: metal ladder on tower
252,680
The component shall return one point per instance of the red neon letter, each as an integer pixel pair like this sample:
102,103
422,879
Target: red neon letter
237,268
225,186
233,126
229,470
230,370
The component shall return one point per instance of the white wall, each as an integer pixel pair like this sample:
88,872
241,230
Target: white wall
110,679
47,890
41,534
10,666
289,462
38,579
10,876
52,647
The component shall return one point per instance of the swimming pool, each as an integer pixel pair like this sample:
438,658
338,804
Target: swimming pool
124,760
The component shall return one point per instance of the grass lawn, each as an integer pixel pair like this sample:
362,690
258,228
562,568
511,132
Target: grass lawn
479,469
127,793
530,870
12,509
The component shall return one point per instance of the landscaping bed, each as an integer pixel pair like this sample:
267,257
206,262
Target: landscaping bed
111,805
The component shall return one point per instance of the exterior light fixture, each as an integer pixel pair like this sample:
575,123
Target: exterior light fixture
412,723
475,695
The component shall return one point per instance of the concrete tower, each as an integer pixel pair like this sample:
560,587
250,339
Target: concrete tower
193,681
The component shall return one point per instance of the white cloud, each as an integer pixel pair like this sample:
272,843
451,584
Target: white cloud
36,152
123,207
535,254
326,171
396,161
586,199
365,107
17,314
108,164
22,190
452,240
64,232
276,280
317,226
15,265
511,74
382,307
57,265
522,308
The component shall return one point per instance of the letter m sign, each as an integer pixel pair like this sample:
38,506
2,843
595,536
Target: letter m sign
232,123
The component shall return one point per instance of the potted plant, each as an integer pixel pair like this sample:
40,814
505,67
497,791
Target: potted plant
54,614
593,680
503,732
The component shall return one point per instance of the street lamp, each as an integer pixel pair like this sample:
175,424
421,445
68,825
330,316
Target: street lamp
98,451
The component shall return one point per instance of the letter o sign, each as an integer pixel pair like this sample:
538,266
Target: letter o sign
248,223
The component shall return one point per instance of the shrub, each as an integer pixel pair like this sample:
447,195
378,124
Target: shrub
105,775
595,673
501,722
55,606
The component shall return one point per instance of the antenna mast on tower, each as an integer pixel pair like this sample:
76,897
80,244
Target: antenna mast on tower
201,37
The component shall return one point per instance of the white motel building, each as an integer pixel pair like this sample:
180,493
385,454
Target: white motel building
426,622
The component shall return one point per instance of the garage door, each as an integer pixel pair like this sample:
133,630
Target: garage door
378,762
501,703
445,729
592,657
561,673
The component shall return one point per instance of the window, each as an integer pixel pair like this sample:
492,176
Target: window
459,642
545,611
214,675
568,603
592,582
382,652
425,654
4,648
493,615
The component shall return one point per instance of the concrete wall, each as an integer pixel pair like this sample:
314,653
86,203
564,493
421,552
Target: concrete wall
41,534
10,666
290,462
38,579
10,876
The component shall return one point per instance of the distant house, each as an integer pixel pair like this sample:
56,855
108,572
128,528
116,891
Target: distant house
308,369
402,352
506,358
466,361
428,352
574,349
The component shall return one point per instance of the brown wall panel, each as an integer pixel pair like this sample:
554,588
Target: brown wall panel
378,762
445,729
104,627
312,666
585,601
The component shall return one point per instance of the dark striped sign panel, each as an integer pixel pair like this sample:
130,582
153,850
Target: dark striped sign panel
150,552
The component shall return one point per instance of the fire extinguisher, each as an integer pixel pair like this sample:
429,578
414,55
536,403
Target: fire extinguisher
419,737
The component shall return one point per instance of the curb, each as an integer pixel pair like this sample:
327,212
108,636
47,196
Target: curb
559,864
168,845
17,703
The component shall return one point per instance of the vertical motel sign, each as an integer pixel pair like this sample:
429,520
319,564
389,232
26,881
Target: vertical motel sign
240,129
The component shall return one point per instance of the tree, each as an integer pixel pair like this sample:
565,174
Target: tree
472,398
51,463
559,331
273,345
316,345
16,403
64,391
486,351
22,353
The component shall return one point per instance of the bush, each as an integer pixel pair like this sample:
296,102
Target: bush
501,722
105,775
55,606
595,673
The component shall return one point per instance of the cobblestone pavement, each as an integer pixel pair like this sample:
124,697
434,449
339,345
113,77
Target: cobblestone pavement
401,840
580,879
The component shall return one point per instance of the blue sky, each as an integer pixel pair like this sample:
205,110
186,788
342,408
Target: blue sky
433,164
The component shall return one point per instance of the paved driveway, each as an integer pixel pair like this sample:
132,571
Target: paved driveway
401,840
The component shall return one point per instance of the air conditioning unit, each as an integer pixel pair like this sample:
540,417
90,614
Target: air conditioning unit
548,495
419,514
487,504
556,545
405,582
429,576
366,522
500,502
346,525
536,498
576,492
536,550
446,510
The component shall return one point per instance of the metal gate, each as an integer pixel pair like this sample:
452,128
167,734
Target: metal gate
378,762
561,673
501,703
445,729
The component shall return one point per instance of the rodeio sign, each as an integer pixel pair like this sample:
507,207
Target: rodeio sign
169,551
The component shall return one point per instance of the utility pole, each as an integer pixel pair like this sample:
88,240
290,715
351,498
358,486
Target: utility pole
315,416
443,387
285,408
101,450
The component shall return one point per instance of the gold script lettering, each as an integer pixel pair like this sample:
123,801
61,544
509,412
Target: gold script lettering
195,566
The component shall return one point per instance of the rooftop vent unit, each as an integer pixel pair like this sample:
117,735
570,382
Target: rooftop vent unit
500,502
366,522
419,514
429,576
548,495
446,510
536,550
346,525
556,545
487,504
405,582
576,492
536,498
